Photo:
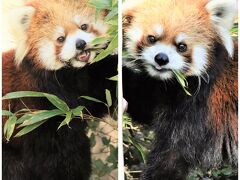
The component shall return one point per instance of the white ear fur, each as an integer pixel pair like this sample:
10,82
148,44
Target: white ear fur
130,5
19,21
20,18
222,12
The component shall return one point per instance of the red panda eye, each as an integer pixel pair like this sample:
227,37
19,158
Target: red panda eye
151,39
61,39
182,47
84,27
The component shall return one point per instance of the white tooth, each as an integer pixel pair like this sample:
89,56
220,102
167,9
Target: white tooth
158,67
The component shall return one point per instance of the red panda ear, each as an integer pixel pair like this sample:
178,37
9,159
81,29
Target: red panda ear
21,17
222,12
127,19
19,22
129,8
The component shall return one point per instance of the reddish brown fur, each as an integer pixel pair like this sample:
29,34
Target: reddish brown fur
94,30
222,93
14,79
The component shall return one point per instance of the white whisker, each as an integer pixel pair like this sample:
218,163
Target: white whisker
205,77
198,87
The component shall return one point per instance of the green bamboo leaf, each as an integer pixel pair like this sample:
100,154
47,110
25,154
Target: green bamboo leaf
97,14
101,4
187,92
81,114
113,21
100,40
111,47
216,174
108,97
112,31
67,119
182,77
78,111
57,102
60,104
138,146
111,14
6,113
29,128
227,171
114,78
24,118
21,94
41,116
63,123
92,99
23,110
140,149
125,54
182,81
9,127
114,3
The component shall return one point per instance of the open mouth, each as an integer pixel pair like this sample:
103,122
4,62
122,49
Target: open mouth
83,56
160,69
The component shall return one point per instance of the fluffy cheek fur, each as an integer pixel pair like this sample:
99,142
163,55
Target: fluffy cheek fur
200,61
48,57
133,35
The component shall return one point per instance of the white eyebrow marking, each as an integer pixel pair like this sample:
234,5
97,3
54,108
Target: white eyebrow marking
158,29
60,30
135,34
77,19
181,37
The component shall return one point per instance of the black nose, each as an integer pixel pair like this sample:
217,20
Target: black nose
80,44
161,59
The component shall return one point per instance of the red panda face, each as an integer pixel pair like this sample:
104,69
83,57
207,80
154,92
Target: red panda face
60,34
166,36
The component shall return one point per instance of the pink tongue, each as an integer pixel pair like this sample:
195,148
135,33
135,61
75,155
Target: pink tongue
84,57
158,67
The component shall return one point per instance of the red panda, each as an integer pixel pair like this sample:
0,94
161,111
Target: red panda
190,37
53,55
